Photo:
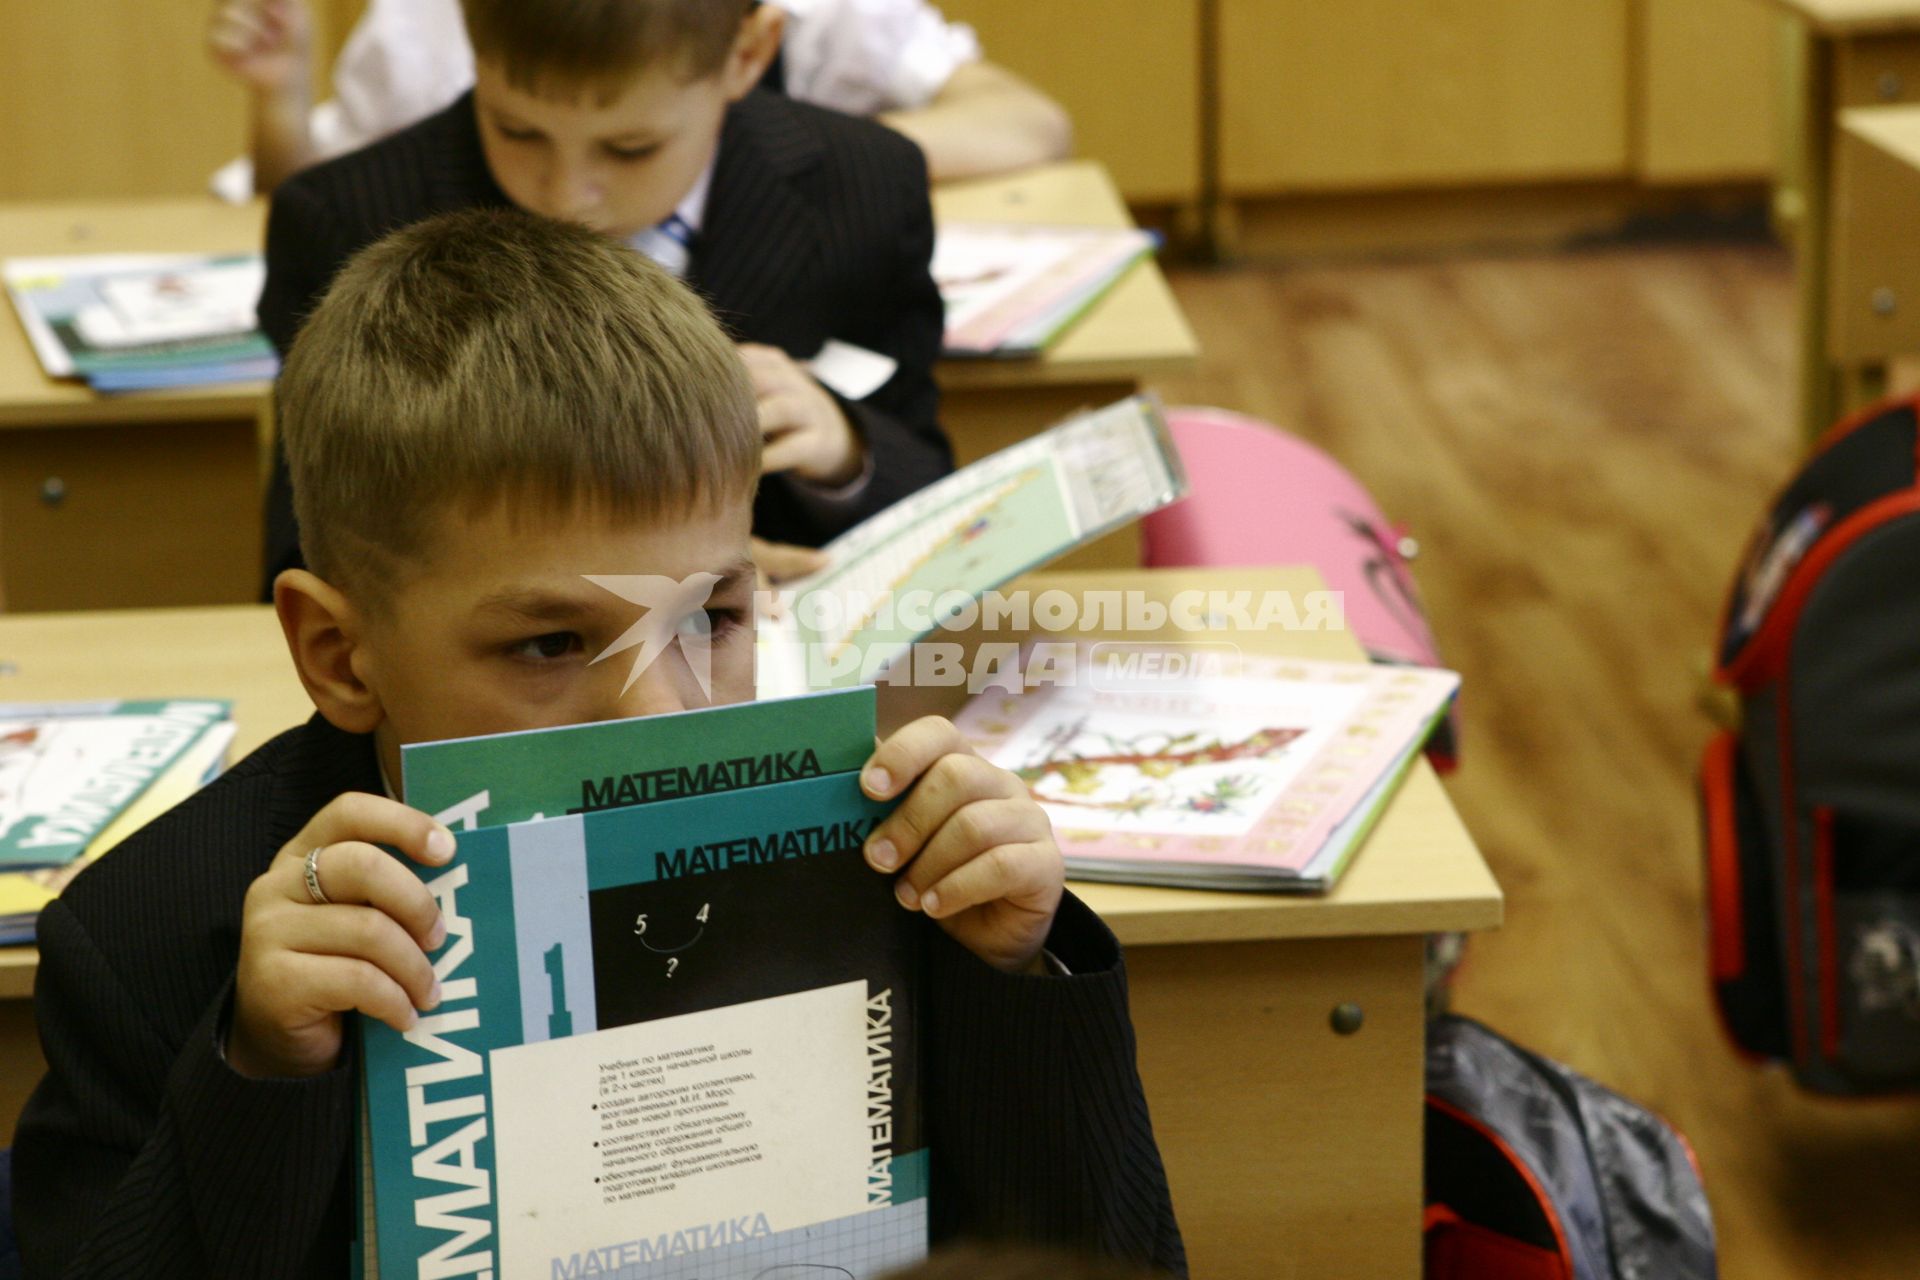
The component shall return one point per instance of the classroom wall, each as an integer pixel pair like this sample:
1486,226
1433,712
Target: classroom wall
119,97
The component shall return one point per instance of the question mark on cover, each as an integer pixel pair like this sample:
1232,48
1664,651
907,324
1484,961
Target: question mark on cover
673,962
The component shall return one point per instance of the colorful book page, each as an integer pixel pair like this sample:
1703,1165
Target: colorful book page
1255,768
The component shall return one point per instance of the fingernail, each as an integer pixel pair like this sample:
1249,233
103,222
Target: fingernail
883,855
879,782
439,934
930,902
909,898
440,845
413,1019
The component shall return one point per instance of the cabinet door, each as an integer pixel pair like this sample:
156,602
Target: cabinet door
111,98
1394,93
1128,71
1708,90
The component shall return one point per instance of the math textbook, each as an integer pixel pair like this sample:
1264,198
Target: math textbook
1155,768
679,1033
889,578
67,770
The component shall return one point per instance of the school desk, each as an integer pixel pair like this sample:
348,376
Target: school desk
124,501
1292,1149
1874,268
1846,53
154,500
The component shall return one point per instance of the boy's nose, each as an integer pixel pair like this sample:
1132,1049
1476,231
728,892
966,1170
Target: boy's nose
655,692
573,194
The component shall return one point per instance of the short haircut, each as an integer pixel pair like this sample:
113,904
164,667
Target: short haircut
493,355
542,44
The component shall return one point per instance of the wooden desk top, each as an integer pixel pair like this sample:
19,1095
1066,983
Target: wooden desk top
28,397
1419,871
1855,17
1895,130
1137,331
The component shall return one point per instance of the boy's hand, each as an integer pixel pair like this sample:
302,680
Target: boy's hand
803,429
972,848
778,562
304,963
265,44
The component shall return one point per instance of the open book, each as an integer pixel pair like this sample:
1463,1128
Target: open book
901,574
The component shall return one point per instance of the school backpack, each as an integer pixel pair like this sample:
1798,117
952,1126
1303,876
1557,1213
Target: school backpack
1534,1172
1812,805
1258,495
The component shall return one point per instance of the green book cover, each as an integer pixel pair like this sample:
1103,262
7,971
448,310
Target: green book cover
511,777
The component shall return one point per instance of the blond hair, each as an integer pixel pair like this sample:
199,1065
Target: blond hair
541,44
494,354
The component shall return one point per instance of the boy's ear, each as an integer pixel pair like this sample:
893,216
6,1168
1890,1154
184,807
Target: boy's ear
753,50
324,634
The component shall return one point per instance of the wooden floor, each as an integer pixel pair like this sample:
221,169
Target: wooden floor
1581,443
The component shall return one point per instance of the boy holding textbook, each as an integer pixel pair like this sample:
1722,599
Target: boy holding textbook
487,407
642,120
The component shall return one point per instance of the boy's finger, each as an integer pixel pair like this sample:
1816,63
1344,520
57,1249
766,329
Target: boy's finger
968,833
952,782
365,933
785,453
909,752
358,815
340,983
1024,875
354,873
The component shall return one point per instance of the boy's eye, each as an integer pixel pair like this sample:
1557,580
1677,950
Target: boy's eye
548,648
516,135
632,153
721,622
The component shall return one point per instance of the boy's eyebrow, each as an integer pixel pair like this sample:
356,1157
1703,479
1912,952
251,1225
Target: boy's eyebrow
553,606
531,602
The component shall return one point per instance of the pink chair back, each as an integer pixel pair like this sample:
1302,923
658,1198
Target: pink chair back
1261,496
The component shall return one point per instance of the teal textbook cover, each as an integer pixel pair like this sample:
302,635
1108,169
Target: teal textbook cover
677,1038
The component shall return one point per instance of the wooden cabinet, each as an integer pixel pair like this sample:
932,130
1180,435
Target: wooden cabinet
1128,71
1708,100
1396,93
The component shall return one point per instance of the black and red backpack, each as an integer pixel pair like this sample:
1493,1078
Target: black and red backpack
1812,804
1534,1172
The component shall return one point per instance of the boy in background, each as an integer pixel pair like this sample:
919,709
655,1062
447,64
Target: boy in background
900,60
487,407
642,120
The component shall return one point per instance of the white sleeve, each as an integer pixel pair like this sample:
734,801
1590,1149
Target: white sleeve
405,60
867,56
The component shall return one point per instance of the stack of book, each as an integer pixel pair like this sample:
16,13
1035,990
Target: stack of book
1012,290
1199,767
144,322
78,778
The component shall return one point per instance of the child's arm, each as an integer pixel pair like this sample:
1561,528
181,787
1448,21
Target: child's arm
267,46
986,120
216,1152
